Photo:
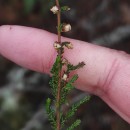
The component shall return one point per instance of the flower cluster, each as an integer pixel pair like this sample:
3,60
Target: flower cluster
65,27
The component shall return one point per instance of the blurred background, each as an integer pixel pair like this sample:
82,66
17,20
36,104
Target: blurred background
23,92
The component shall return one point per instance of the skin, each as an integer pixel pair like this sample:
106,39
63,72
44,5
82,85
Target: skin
106,73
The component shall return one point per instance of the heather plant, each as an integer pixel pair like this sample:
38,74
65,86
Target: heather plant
61,83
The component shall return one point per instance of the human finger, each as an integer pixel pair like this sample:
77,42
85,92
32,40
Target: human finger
33,49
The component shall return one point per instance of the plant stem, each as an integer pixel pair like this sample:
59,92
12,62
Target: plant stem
59,82
58,21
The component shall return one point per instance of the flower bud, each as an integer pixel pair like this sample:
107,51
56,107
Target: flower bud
66,27
56,45
54,9
65,76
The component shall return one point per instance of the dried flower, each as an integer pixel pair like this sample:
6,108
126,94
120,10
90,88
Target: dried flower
65,61
69,45
65,76
56,45
66,27
54,9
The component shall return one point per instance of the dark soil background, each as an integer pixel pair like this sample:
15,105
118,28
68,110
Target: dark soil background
23,92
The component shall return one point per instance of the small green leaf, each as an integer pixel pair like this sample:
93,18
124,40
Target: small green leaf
59,28
51,113
74,108
48,103
74,125
74,78
56,67
65,8
67,88
55,75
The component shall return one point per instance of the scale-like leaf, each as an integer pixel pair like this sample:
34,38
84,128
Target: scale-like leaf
65,8
51,113
56,66
55,75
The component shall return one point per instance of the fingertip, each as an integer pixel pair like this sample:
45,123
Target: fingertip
29,47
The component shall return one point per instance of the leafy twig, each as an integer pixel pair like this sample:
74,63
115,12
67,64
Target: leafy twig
61,83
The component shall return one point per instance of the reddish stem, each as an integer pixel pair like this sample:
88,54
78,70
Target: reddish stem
59,82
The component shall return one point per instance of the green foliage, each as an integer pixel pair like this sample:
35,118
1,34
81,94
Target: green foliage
67,87
55,78
73,109
74,78
62,85
59,28
65,8
51,113
55,69
75,106
74,125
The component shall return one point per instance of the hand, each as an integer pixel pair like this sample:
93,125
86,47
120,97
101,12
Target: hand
106,73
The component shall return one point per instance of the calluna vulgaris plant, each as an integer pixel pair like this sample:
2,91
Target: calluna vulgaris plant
61,84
